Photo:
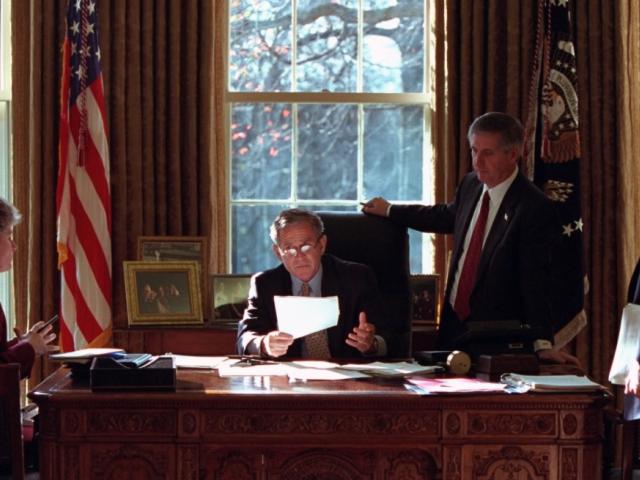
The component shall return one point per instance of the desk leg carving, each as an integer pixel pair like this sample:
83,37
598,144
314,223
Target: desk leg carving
452,463
188,462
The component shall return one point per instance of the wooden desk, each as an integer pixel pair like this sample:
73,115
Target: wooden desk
259,428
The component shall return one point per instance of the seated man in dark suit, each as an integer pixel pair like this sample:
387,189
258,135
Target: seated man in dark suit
299,243
503,231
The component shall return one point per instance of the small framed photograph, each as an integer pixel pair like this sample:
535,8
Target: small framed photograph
424,298
229,298
163,293
177,249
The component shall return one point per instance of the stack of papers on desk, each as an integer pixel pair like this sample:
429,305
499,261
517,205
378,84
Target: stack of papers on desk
548,383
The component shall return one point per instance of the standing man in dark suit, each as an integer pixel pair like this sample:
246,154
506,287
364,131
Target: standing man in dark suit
299,243
503,227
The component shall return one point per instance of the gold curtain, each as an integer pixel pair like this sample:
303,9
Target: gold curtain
157,60
36,41
594,31
628,120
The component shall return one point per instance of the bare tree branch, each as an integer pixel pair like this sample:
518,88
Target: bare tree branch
347,15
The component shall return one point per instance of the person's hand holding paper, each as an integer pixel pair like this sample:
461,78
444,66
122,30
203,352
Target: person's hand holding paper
301,316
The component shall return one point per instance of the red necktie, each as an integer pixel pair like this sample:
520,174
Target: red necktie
471,261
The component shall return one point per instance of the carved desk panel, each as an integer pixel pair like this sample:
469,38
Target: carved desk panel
266,428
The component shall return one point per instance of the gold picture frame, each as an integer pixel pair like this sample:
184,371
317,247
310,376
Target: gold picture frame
425,299
163,293
229,293
178,249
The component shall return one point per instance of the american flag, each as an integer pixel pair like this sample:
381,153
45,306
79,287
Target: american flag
83,198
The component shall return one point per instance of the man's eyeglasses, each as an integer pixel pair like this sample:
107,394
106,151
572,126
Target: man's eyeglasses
303,249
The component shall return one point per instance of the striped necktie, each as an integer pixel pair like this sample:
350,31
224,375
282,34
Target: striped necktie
315,345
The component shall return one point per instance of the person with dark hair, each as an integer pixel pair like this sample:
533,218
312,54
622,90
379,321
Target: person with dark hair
24,347
299,243
503,228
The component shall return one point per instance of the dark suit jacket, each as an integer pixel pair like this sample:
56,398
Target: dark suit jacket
15,351
353,283
514,273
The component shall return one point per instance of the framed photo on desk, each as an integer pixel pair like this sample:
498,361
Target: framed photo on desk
178,249
163,293
229,298
424,299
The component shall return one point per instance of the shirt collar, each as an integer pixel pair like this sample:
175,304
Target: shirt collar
315,283
497,193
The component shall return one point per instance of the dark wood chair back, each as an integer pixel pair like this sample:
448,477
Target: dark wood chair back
383,246
11,416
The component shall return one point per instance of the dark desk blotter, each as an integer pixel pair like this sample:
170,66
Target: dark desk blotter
490,367
108,374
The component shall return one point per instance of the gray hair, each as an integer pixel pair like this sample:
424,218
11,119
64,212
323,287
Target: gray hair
295,215
506,125
9,215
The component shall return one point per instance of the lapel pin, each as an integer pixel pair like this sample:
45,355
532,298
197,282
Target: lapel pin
506,217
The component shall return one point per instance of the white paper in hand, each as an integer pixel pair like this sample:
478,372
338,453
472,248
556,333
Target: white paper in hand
301,316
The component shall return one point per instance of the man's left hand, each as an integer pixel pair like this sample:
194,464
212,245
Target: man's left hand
363,335
558,356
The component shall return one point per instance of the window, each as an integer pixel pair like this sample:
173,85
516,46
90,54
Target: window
328,105
5,136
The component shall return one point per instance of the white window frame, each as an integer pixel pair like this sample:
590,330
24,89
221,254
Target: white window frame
425,98
5,157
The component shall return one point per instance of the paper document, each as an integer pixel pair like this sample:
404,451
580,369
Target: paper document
193,361
393,369
242,368
548,383
428,386
85,355
301,316
628,346
308,373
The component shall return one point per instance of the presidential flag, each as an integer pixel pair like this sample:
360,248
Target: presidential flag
552,156
83,197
